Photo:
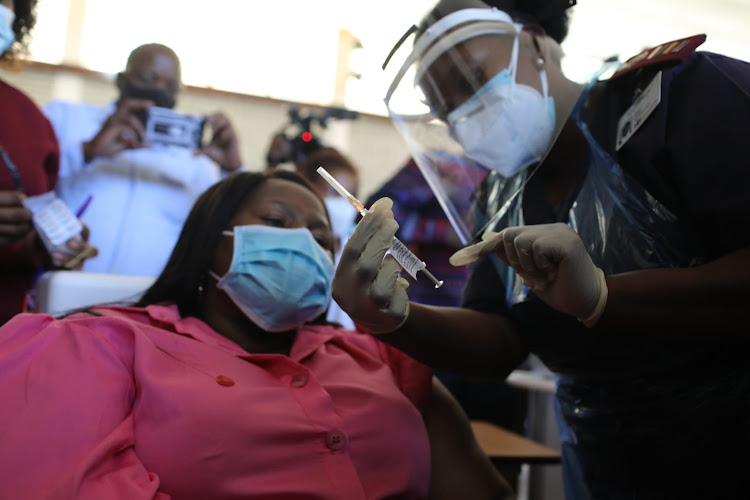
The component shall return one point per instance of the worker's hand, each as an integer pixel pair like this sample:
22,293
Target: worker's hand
366,286
552,260
122,130
223,148
15,219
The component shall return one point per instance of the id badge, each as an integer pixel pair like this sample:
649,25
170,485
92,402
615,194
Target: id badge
636,114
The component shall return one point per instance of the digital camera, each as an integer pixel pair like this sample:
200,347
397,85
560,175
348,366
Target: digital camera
169,127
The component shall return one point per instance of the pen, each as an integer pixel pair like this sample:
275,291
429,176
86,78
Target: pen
83,208
12,169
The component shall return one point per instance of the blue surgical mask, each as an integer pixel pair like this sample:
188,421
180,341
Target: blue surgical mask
280,278
7,36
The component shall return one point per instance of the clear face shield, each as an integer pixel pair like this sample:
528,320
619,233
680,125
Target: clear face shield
476,127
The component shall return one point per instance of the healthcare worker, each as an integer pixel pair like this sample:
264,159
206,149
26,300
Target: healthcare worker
613,241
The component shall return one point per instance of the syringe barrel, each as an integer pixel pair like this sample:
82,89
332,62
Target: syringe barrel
406,258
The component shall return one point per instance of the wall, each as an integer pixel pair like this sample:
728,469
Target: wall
371,141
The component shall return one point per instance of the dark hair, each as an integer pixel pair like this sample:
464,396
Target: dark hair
330,159
187,267
550,15
25,11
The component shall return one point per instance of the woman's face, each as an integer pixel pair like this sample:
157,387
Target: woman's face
457,75
277,203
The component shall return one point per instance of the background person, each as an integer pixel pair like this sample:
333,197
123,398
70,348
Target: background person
217,387
29,162
140,193
629,261
340,211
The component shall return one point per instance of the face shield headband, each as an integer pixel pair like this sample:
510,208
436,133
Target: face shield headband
434,42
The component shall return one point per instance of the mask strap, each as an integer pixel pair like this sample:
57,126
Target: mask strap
514,62
215,276
514,58
545,88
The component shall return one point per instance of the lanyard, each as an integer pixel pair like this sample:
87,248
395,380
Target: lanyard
12,169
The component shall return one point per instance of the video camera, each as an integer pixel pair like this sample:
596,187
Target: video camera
301,140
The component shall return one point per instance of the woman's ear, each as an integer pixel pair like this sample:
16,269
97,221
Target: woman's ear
533,43
544,48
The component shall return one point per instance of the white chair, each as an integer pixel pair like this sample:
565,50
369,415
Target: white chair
59,292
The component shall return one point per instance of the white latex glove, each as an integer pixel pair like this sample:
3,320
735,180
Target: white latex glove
366,286
552,260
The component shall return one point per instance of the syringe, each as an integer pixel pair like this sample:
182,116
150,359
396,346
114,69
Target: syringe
403,255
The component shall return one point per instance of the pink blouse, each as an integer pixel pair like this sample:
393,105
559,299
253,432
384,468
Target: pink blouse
144,404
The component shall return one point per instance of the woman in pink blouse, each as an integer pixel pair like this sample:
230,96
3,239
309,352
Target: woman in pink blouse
225,382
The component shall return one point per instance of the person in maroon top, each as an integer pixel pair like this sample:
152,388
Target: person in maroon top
29,157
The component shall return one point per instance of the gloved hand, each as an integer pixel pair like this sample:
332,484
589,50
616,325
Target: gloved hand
552,260
366,286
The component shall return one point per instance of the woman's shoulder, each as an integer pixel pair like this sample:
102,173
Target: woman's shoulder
8,91
111,324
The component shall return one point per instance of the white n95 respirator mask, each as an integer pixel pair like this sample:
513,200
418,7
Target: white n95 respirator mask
280,278
505,126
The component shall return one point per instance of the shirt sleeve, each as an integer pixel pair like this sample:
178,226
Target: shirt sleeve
66,424
707,123
413,378
71,146
484,290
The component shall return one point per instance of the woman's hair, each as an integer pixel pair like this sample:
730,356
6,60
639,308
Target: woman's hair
550,15
186,270
25,11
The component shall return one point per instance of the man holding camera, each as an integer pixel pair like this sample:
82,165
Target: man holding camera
135,167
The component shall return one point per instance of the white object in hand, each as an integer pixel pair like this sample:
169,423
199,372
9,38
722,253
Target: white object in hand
53,220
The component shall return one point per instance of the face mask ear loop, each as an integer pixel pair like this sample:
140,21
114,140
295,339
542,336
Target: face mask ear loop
215,276
545,88
542,73
514,62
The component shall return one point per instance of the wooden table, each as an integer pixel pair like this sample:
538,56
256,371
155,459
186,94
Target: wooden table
508,447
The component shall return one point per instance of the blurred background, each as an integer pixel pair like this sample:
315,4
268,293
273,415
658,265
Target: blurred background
255,60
